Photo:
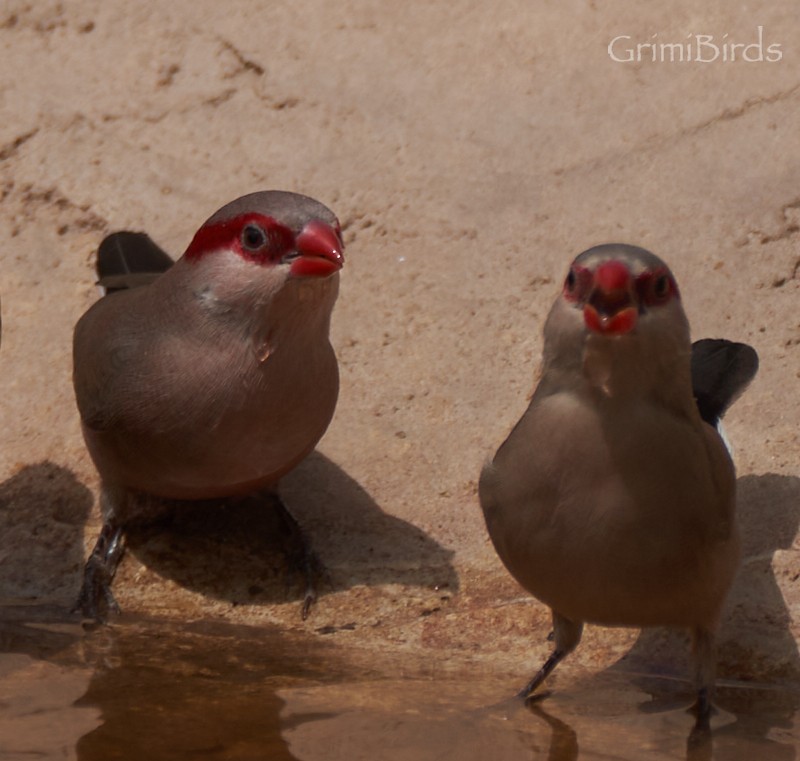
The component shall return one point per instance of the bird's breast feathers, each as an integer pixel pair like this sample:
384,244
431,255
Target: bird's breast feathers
569,461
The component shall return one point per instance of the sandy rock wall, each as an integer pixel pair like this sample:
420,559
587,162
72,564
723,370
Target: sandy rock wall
470,153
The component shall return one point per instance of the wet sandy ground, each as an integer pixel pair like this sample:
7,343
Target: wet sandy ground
168,690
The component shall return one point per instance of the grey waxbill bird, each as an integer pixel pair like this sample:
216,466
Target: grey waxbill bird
613,499
212,377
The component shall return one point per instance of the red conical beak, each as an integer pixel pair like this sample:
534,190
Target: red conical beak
319,251
611,308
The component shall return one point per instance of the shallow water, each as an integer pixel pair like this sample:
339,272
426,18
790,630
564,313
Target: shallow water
154,689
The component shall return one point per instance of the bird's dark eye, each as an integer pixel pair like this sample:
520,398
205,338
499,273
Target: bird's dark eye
656,288
576,284
661,286
253,237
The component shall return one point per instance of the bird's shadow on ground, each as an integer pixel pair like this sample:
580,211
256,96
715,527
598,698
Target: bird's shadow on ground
755,641
237,551
757,652
758,661
43,509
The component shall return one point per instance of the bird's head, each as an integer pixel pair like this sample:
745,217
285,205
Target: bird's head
261,245
619,319
615,286
273,230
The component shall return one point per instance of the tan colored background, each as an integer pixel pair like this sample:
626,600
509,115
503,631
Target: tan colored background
470,150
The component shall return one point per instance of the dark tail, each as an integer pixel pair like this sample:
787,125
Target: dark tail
129,260
721,371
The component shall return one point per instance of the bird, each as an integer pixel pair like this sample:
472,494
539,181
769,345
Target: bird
211,377
612,500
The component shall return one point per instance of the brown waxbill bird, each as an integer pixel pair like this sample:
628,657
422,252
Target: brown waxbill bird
212,377
613,499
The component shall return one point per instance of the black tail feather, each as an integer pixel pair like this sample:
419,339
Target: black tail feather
128,260
721,371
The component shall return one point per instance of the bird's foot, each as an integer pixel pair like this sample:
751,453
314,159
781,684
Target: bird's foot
526,693
312,569
96,600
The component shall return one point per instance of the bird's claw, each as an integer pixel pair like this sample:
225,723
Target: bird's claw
96,600
308,600
702,707
313,570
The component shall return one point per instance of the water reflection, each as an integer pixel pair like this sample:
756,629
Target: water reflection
200,691
39,684
423,721
155,689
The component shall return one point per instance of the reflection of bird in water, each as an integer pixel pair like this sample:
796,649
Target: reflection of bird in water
563,740
157,683
612,500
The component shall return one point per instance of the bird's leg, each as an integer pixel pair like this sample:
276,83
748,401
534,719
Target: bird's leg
704,659
301,556
95,599
699,745
567,635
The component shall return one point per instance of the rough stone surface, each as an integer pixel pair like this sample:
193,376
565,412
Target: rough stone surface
470,153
